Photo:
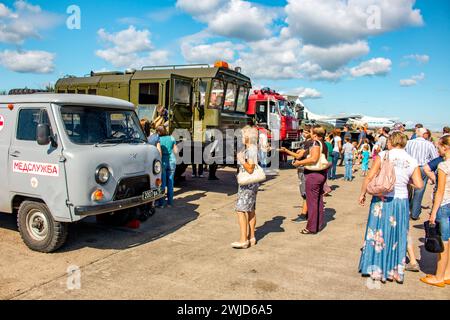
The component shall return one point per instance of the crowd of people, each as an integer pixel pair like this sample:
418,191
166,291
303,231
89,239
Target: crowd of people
414,160
417,161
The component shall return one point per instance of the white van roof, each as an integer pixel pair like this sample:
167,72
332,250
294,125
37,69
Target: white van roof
68,99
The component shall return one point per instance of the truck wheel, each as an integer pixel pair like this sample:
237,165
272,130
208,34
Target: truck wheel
39,231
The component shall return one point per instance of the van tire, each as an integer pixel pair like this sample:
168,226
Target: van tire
48,242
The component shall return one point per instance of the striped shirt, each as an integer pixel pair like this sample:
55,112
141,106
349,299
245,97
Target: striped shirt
422,150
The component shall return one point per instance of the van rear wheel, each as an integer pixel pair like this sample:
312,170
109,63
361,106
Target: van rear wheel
39,231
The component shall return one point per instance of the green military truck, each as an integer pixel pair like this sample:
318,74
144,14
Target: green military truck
198,98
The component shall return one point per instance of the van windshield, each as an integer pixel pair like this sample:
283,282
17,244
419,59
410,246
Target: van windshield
93,125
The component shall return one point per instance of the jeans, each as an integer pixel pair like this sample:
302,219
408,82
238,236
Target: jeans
263,158
348,159
168,177
335,156
417,197
443,217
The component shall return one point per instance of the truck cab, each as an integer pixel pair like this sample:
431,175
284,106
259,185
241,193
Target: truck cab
272,111
67,157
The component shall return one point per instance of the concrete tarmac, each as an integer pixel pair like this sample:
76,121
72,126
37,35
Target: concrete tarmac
185,253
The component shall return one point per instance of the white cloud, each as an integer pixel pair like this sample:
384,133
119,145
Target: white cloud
307,93
130,48
5,12
329,22
28,61
199,7
208,53
334,57
273,58
420,58
320,40
232,18
128,41
24,22
372,67
242,20
414,80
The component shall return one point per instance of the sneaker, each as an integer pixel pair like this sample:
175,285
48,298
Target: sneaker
194,176
201,176
412,267
300,219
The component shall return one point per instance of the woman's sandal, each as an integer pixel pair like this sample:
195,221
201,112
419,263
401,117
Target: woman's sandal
445,281
239,245
426,280
306,231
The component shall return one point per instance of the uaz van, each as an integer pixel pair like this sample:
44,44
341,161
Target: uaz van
66,157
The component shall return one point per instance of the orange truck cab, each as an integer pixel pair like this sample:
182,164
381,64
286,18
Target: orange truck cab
272,111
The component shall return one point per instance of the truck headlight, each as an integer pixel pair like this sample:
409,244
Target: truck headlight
157,167
102,174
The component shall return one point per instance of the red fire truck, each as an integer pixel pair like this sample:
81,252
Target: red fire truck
272,111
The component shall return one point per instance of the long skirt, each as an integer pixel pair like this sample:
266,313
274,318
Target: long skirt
384,252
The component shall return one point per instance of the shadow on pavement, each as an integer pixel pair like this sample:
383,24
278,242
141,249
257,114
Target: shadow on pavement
272,226
226,184
89,233
329,216
8,221
428,260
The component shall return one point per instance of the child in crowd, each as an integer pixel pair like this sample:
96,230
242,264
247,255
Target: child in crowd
365,160
348,150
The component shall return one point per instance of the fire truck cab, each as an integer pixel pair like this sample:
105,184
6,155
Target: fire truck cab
272,111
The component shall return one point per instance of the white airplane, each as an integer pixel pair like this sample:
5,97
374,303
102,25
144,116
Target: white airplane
354,120
372,122
336,121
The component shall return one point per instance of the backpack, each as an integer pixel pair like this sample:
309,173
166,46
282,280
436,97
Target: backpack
385,180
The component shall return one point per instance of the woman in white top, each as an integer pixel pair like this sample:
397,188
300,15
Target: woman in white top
337,140
441,213
384,252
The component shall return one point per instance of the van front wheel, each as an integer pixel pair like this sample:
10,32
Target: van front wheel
39,231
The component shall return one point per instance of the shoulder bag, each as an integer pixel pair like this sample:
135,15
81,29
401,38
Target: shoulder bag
385,180
244,178
322,164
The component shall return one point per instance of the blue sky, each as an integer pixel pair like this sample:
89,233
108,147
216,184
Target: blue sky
322,51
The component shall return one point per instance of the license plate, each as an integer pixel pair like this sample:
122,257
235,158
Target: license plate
296,145
150,194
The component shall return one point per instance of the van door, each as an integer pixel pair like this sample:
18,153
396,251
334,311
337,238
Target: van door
7,120
34,170
181,103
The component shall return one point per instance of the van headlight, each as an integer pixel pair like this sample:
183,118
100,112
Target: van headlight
102,174
157,167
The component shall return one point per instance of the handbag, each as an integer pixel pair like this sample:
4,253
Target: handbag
433,239
385,180
322,164
244,178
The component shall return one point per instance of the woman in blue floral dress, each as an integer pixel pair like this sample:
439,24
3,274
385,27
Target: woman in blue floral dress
384,253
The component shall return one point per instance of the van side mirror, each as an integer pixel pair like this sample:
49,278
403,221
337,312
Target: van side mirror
43,134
